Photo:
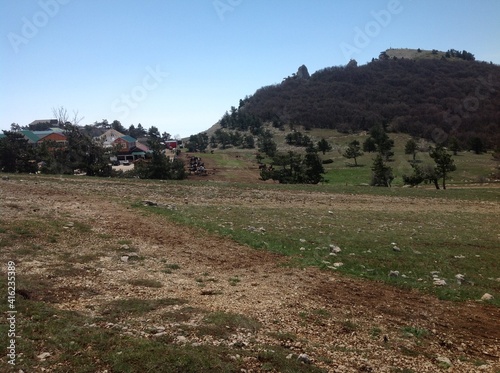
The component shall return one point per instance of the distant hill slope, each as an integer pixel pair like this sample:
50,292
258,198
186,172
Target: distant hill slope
429,94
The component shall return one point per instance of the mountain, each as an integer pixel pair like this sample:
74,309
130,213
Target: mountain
429,94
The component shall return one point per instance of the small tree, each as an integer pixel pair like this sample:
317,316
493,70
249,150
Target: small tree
382,174
159,165
380,141
454,145
83,153
411,147
426,173
444,163
353,151
267,144
14,127
16,154
416,178
324,146
198,142
476,145
248,142
313,166
154,132
223,137
369,145
117,126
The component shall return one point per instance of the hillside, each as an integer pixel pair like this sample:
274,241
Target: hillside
429,94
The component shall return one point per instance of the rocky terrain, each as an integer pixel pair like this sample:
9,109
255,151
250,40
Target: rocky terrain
107,251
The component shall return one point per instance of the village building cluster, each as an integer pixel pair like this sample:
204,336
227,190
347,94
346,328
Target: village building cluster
124,149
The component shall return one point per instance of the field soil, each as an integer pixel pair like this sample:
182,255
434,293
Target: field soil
342,324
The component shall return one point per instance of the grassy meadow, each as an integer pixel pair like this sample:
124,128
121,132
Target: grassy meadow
442,243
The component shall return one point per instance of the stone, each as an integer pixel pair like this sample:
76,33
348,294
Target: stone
460,278
487,296
149,203
304,358
130,256
43,356
338,264
159,334
181,339
439,282
394,274
444,360
335,249
395,248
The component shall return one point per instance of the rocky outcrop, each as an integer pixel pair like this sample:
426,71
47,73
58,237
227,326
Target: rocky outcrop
303,73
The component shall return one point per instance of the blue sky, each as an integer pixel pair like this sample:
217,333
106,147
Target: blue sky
180,64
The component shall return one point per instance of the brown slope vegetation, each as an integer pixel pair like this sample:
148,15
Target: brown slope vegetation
459,98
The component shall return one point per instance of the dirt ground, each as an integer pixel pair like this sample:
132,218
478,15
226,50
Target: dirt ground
342,324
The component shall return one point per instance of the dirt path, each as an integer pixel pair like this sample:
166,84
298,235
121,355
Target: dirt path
342,324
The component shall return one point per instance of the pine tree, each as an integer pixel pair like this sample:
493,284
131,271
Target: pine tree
411,147
324,146
353,151
444,163
267,144
16,154
313,166
382,174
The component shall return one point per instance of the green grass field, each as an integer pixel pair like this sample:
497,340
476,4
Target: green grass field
430,241
441,241
471,168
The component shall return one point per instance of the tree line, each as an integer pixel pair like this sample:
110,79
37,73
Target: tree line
81,153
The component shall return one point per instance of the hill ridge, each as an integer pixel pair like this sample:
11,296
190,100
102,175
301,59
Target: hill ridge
435,98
